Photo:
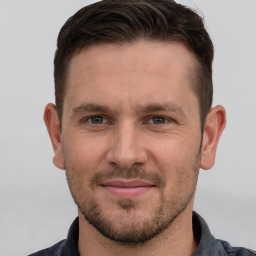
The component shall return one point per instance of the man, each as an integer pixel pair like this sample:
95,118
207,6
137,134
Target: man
132,125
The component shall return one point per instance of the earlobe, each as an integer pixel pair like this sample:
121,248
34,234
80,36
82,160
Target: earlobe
214,126
52,123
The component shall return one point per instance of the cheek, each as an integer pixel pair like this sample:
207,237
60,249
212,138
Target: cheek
178,164
176,159
172,152
84,154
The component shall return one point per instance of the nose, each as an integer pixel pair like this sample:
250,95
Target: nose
127,147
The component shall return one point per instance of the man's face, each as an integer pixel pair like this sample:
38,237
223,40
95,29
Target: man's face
131,137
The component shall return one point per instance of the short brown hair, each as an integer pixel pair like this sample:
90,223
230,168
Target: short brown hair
120,21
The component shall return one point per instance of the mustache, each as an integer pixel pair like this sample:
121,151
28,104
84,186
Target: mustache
133,172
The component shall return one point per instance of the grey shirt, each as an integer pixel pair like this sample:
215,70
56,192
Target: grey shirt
207,244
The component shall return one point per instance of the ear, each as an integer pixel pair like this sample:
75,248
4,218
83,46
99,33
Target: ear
214,125
53,126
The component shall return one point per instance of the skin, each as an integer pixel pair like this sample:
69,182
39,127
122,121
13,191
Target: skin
130,115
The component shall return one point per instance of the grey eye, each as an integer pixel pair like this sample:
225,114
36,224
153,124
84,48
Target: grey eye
97,119
158,120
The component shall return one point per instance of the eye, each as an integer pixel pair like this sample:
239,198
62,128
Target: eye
158,120
96,120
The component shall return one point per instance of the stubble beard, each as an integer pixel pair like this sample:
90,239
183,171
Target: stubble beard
129,228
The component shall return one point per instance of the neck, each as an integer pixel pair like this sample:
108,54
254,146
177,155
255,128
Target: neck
177,240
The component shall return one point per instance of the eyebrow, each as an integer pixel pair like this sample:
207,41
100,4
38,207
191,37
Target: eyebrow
155,107
91,107
170,107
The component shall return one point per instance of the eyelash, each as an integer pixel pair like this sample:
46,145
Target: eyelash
166,120
89,120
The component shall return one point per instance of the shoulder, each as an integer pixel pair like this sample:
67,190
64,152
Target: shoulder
55,250
236,251
210,246
64,247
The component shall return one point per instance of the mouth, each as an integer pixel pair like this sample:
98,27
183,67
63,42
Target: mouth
127,188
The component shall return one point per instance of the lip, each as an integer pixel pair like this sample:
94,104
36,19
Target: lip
127,188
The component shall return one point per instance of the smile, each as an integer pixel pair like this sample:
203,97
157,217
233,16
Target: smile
127,188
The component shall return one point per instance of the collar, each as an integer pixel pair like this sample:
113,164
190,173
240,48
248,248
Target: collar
207,244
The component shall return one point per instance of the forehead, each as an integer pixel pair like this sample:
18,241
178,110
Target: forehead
139,71
141,56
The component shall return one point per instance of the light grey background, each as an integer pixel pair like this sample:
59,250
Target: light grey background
36,208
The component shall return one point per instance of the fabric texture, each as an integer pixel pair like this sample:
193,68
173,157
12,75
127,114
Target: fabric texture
207,244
